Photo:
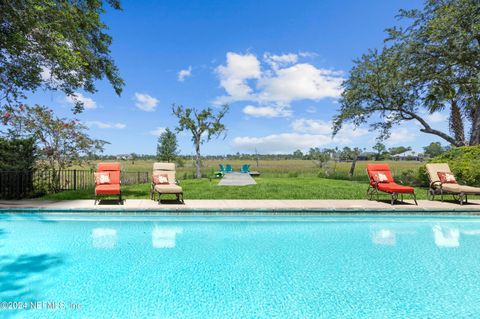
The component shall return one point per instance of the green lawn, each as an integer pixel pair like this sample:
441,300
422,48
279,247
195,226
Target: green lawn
266,188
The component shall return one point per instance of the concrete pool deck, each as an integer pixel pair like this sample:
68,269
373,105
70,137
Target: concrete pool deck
191,206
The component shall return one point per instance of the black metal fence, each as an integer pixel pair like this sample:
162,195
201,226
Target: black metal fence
22,184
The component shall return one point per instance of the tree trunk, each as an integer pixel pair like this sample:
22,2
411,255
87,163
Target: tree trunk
475,131
456,122
352,168
198,162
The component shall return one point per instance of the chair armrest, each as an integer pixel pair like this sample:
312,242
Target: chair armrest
436,184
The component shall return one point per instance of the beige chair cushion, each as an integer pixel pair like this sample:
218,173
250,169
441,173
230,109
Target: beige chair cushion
165,168
456,188
168,189
434,168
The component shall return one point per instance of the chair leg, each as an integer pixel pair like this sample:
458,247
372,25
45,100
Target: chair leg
415,199
393,196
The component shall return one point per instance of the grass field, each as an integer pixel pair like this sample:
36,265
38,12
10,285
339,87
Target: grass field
270,168
266,188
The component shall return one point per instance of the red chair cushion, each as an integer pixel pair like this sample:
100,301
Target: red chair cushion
373,169
113,169
395,188
108,189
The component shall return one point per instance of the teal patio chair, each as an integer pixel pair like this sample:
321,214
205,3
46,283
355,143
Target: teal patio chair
245,168
229,169
222,168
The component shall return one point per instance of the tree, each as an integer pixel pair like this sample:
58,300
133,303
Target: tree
59,140
55,45
426,67
434,149
352,155
298,154
17,154
320,157
381,151
167,146
202,124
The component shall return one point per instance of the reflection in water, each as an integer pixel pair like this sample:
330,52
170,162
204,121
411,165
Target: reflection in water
384,237
104,237
446,237
165,237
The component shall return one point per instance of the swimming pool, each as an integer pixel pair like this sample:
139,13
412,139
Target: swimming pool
150,266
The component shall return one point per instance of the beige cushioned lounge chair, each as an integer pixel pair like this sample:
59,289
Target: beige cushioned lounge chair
172,187
459,192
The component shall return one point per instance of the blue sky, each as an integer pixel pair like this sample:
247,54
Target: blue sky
277,63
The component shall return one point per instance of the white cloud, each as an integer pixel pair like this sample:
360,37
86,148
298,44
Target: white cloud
267,111
88,103
312,126
282,81
277,61
281,143
145,102
436,117
345,135
306,133
183,74
158,131
300,82
234,75
100,124
400,136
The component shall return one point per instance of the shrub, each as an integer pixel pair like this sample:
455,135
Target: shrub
464,162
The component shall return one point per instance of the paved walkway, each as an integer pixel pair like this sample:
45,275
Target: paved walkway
237,179
276,206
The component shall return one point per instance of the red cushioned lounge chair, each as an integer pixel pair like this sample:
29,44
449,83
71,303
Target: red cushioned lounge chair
381,180
107,180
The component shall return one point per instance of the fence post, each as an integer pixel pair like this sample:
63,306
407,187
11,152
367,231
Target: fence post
74,179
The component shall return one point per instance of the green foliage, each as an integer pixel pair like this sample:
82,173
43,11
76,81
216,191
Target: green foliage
60,141
464,163
434,149
17,154
298,154
381,151
429,66
167,146
55,45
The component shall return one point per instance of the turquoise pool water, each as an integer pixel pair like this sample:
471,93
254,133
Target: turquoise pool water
87,266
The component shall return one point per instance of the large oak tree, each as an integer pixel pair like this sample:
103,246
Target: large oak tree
431,65
55,45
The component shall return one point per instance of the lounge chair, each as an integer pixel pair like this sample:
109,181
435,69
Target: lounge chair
164,181
443,182
245,168
229,169
381,180
107,181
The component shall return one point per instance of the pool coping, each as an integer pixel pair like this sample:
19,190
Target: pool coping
264,207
